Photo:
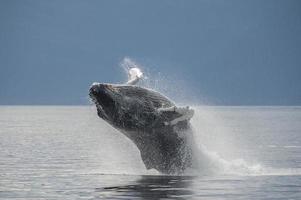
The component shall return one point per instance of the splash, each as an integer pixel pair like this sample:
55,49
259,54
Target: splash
134,75
208,162
213,142
221,166
171,85
133,70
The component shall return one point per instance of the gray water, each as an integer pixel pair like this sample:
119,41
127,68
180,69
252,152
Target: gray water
65,152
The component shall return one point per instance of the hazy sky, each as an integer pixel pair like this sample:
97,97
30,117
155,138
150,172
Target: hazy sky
232,52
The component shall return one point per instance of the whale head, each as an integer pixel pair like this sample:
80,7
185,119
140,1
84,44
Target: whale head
127,107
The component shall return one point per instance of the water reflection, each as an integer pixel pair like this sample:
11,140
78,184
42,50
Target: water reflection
151,187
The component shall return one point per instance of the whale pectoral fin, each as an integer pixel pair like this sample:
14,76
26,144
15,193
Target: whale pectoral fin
182,113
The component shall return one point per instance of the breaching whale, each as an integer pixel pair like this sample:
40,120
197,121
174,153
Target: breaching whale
160,130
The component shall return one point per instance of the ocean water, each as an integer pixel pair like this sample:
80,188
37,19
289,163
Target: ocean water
65,152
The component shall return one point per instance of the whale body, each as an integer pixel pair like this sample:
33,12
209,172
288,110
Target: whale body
160,130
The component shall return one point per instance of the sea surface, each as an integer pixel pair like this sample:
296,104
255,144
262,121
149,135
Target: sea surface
67,152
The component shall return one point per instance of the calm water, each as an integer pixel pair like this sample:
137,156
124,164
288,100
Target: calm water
56,152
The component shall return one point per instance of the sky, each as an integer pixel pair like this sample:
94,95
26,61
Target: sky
226,52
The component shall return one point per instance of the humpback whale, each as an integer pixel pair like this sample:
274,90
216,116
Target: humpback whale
160,130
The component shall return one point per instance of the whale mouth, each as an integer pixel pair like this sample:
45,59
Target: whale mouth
99,97
100,110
